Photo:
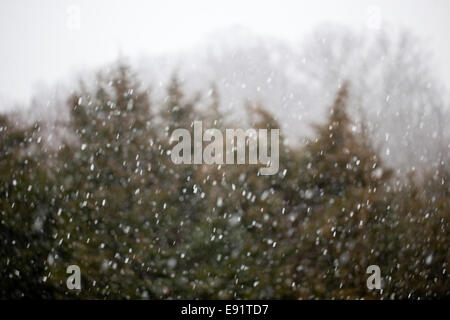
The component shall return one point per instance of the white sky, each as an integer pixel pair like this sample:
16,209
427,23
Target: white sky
40,40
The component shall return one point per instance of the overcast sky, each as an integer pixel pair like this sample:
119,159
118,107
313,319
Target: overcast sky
44,41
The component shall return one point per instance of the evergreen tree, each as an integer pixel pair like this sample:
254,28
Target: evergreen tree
27,214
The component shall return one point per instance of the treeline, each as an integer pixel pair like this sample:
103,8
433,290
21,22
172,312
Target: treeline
109,199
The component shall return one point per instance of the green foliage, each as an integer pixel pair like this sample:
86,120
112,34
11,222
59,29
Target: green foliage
110,200
27,215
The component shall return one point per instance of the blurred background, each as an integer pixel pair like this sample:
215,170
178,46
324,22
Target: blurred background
91,90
